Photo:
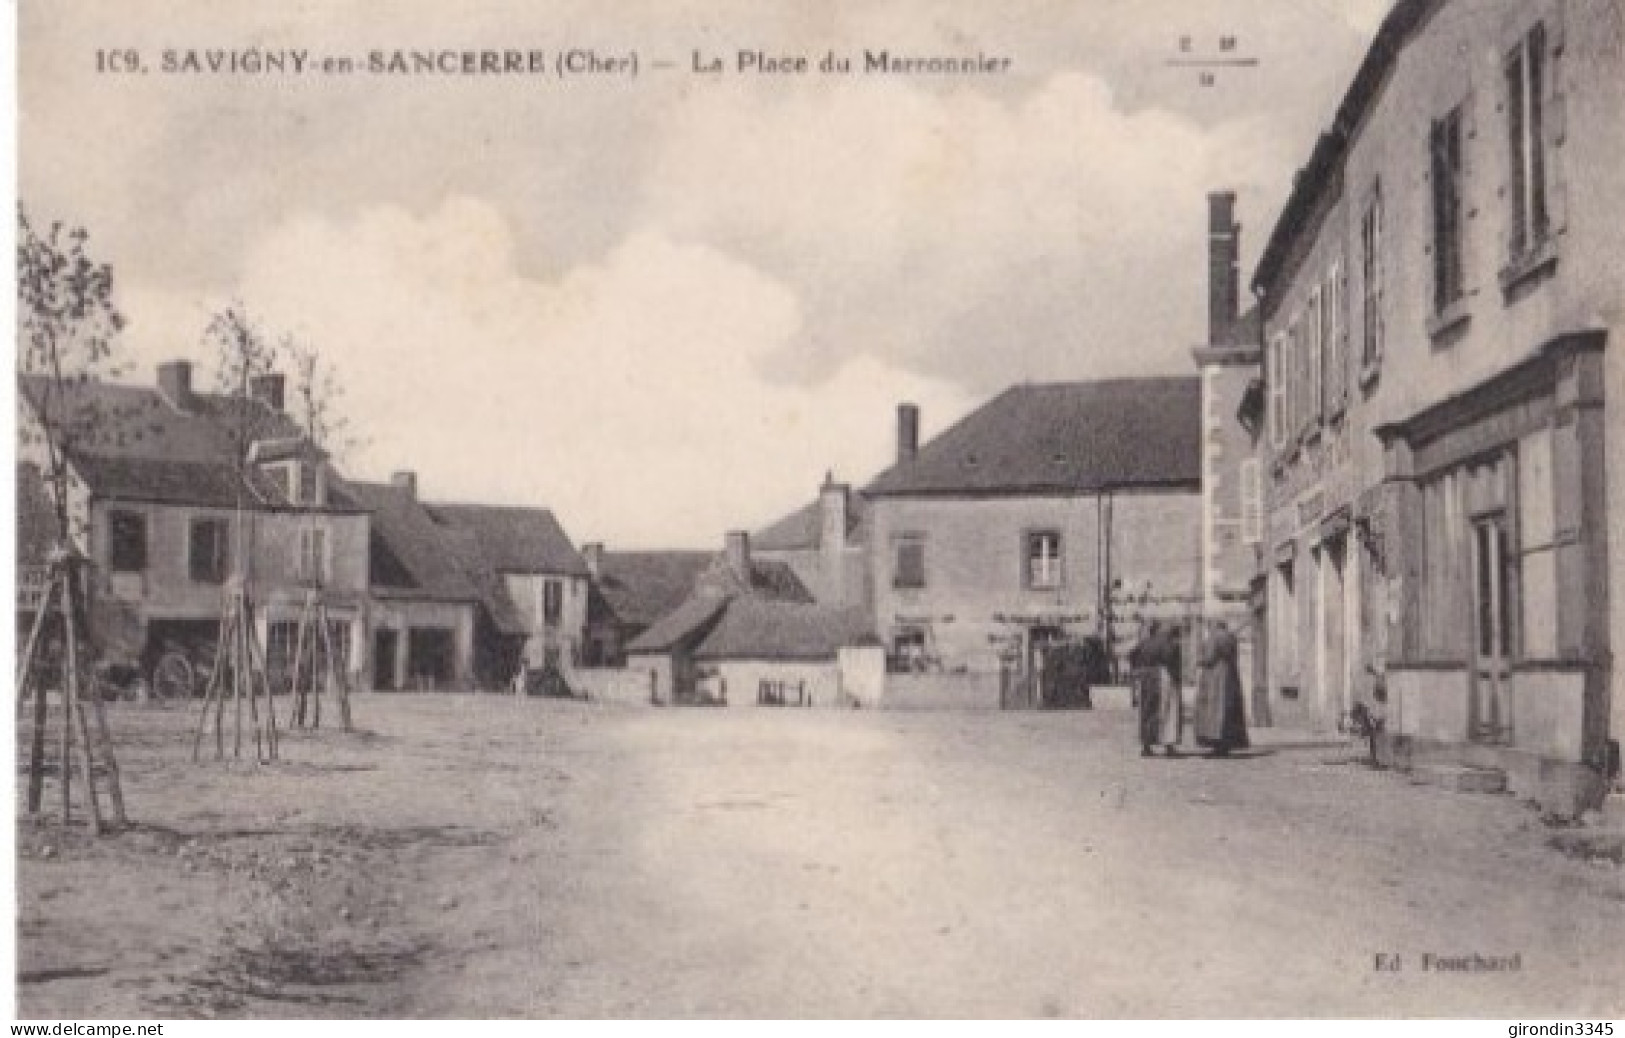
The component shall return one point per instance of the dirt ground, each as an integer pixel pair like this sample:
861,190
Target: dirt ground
490,857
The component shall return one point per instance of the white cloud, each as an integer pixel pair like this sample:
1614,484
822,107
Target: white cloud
628,395
990,240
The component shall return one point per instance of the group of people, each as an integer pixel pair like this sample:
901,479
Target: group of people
1220,719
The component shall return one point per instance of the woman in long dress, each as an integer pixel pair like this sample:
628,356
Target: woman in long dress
1156,661
1221,720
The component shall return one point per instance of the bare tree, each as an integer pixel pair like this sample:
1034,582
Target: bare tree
243,353
68,325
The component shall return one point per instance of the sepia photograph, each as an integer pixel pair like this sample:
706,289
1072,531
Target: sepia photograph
907,510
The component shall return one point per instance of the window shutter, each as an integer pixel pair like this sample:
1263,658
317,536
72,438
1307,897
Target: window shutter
1252,502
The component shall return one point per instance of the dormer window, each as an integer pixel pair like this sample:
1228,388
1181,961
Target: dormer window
298,481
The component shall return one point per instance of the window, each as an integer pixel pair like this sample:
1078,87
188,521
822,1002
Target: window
908,569
908,651
1277,386
281,477
1444,150
127,542
1334,337
1525,83
1252,502
1314,354
1371,284
313,555
207,550
1300,379
552,602
1043,559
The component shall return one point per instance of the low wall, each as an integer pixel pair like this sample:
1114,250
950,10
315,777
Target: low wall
612,685
971,691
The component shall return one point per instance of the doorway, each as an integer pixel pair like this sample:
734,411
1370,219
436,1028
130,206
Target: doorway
1490,719
385,643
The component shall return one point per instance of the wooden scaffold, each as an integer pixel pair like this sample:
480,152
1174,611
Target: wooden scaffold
238,679
316,668
91,746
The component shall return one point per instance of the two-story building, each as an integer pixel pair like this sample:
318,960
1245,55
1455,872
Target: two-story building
169,510
532,581
1438,299
1053,513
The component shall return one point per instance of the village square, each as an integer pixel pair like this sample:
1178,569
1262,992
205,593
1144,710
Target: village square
1273,681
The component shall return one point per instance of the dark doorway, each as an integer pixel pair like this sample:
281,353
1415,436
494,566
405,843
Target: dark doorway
384,646
431,653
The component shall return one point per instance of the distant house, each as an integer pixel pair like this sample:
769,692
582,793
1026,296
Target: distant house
630,591
1054,512
422,605
168,511
532,581
749,632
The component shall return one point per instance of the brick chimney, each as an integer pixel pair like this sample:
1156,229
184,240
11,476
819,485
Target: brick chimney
268,390
175,383
1223,268
908,432
593,555
736,551
834,504
406,480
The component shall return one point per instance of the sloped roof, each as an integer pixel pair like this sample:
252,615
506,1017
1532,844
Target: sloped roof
804,528
145,449
515,539
411,555
762,629
769,578
639,587
689,620
1064,437
1404,18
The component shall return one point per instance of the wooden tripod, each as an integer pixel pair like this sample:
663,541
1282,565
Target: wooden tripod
63,593
313,652
238,675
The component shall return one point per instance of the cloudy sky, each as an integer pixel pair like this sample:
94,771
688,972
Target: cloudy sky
665,305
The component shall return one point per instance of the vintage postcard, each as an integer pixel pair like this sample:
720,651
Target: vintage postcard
907,509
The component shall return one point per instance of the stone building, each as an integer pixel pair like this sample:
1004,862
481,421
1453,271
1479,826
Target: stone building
1438,299
1055,512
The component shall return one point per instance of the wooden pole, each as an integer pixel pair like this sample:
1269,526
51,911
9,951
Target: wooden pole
297,670
36,756
66,761
77,623
240,674
257,666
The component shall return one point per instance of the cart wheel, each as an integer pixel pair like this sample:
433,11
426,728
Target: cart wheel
172,678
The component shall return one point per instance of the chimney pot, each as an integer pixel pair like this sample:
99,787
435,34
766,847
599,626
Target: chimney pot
175,383
269,390
1224,268
406,480
736,548
908,432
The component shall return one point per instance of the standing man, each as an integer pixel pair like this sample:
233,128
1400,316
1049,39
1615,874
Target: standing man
1156,662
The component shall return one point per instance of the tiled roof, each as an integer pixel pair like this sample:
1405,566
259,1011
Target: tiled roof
769,578
639,587
468,553
515,539
760,629
688,621
144,449
1069,437
803,529
411,555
